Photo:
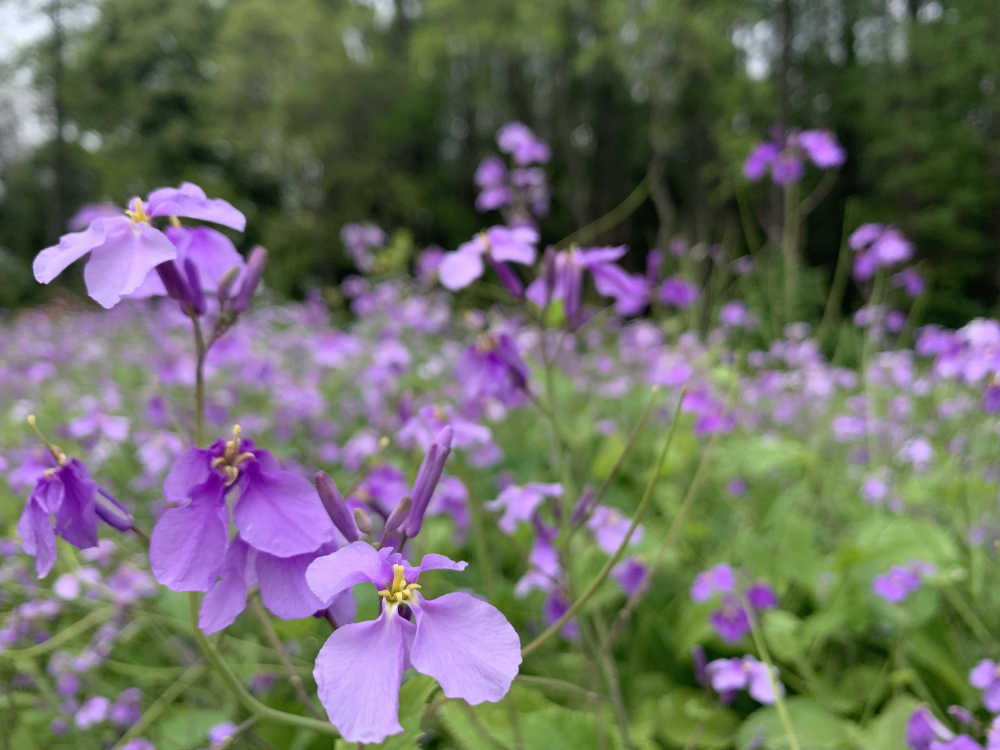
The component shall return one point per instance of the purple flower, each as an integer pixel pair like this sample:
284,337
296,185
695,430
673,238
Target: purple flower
923,730
219,733
900,581
360,240
610,528
911,281
731,622
678,292
631,575
728,676
822,148
986,676
124,249
517,139
879,246
277,513
630,291
212,254
493,368
499,245
784,157
519,503
67,492
427,480
93,711
719,579
462,642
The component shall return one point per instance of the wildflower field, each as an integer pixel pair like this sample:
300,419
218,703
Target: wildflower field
516,494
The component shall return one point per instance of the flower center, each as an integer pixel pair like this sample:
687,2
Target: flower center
399,590
486,343
136,212
229,462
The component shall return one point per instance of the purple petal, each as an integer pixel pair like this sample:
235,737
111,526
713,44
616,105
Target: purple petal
37,536
52,261
357,562
433,561
991,696
228,596
191,468
761,688
466,645
460,268
280,513
283,587
982,674
358,673
119,266
212,253
188,544
726,675
190,201
76,519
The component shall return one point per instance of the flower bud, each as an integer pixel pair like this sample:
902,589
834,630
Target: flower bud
508,277
174,282
111,511
398,515
197,296
427,479
225,285
363,521
251,279
335,506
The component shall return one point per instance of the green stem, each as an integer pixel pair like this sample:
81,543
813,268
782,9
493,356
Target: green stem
779,699
612,218
839,284
613,560
199,382
96,617
162,703
236,687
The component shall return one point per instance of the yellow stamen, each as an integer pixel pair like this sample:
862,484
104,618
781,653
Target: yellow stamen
229,462
136,212
399,590
175,222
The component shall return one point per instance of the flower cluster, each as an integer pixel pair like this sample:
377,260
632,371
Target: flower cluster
784,156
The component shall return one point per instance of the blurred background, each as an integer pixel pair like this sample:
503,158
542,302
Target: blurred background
308,114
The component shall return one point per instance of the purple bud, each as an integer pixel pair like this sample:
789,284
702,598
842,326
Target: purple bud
396,518
173,282
584,506
507,276
225,285
251,278
335,506
197,296
111,511
363,521
427,479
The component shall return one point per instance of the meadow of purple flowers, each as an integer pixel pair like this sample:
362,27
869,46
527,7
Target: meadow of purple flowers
521,497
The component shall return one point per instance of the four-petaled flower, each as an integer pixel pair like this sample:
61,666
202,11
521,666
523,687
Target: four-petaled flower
727,676
124,249
462,642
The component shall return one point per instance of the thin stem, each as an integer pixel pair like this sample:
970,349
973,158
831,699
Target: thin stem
199,381
779,699
629,444
692,492
96,617
839,284
612,218
236,687
286,665
162,703
613,560
561,686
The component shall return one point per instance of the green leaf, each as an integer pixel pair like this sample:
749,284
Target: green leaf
815,728
888,730
183,728
687,717
412,699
